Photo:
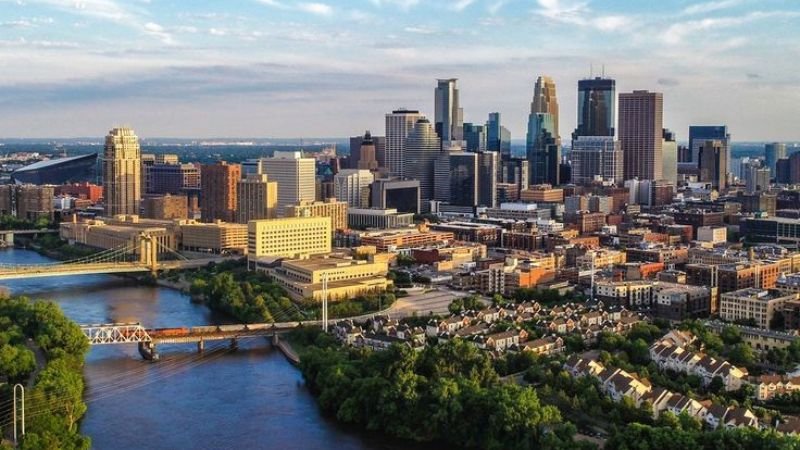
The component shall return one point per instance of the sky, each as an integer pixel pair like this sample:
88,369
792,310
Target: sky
325,68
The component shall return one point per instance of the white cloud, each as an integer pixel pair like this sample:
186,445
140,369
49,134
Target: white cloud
419,30
677,32
320,9
578,13
156,30
461,5
707,7
217,32
402,4
495,6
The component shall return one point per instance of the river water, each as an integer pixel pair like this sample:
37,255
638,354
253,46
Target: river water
251,398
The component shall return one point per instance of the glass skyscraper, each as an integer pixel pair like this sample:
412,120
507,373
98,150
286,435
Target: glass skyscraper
596,107
544,153
698,135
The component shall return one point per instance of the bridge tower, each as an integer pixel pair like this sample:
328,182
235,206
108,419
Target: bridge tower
148,251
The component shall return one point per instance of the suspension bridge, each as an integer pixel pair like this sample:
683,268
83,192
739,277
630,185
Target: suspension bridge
142,256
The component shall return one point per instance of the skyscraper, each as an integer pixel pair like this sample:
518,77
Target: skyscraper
448,115
363,155
352,186
295,176
544,153
219,186
713,163
498,138
545,101
669,148
698,135
488,170
256,198
596,111
399,124
463,179
475,137
772,153
122,176
640,134
422,149
596,156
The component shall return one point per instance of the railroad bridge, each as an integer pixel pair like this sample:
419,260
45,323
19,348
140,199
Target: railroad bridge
148,339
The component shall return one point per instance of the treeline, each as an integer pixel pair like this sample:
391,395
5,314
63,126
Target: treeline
8,222
446,393
637,436
55,405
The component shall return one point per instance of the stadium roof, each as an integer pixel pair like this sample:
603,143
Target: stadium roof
54,162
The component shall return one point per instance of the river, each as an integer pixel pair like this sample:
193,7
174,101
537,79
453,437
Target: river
250,398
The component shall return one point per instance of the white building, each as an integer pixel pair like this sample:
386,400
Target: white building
399,124
352,186
295,176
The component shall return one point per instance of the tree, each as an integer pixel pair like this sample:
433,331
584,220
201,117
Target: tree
730,335
16,362
742,354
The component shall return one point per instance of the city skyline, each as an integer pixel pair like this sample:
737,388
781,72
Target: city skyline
280,68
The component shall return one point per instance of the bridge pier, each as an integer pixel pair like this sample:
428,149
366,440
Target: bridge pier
234,344
148,351
201,346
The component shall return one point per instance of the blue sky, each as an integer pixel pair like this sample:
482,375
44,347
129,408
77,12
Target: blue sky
295,68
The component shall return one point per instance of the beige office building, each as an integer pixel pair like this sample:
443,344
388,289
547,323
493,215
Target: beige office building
122,176
288,238
346,277
217,237
331,207
295,176
399,124
257,198
753,303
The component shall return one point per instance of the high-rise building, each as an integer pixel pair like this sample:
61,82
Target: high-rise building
219,183
698,135
295,176
352,186
545,102
364,153
713,163
171,178
640,133
257,198
772,153
596,110
498,138
475,137
463,179
441,177
595,157
27,201
544,152
448,115
165,207
402,195
756,178
122,177
399,124
669,149
488,168
422,149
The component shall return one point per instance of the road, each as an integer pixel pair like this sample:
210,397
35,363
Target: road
432,302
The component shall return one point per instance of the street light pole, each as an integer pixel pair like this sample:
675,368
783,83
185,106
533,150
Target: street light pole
22,397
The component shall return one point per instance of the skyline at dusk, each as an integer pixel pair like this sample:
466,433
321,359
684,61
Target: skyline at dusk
280,68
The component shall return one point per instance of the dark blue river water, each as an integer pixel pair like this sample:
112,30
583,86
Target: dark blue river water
252,398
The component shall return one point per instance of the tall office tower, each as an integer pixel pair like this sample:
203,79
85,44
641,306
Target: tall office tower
363,152
122,172
669,148
171,178
475,137
640,131
713,163
463,179
448,115
422,149
698,135
684,154
757,179
545,101
295,176
515,171
488,168
218,186
257,198
772,153
596,111
596,157
544,152
498,138
399,124
441,176
352,186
